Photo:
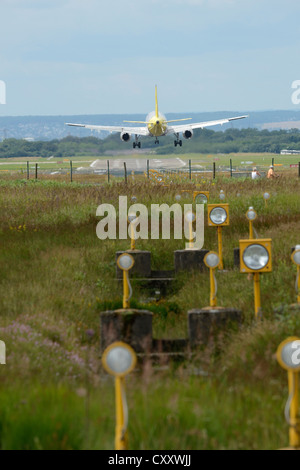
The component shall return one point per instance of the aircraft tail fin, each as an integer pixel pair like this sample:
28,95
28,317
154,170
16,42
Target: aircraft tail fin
156,102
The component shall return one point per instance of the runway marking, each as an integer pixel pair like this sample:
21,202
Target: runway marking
181,161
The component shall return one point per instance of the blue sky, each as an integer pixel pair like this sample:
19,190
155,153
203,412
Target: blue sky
103,57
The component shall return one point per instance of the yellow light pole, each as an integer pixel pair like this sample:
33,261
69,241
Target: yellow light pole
255,258
296,260
266,197
212,261
218,216
125,263
132,220
190,217
251,216
288,356
119,359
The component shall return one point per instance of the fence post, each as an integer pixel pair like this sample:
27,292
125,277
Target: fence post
125,172
214,170
190,169
28,170
272,161
108,175
230,168
71,171
36,171
148,169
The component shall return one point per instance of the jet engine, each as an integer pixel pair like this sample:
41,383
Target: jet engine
188,134
125,136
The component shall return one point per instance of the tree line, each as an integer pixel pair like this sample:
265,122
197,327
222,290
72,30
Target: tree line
204,141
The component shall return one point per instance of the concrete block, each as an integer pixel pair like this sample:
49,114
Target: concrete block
206,324
189,260
142,264
134,327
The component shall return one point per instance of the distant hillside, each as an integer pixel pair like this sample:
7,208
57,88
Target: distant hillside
53,127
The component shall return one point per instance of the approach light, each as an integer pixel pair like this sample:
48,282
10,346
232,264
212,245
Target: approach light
212,260
287,354
222,195
266,196
134,199
190,217
125,261
251,214
119,359
201,197
296,255
255,256
132,217
218,215
178,197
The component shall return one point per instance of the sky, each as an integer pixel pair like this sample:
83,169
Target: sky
64,57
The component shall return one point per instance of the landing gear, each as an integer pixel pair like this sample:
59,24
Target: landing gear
156,141
136,143
177,141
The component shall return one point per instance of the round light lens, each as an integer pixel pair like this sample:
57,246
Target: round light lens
178,197
222,195
266,196
125,261
185,194
218,215
251,214
134,199
296,255
119,359
290,355
132,217
256,257
201,199
190,217
212,260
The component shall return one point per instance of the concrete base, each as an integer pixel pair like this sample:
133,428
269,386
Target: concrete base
188,260
134,327
142,264
207,323
236,257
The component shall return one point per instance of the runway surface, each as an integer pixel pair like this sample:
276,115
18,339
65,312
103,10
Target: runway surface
139,164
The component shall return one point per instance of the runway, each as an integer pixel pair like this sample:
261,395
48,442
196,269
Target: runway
138,164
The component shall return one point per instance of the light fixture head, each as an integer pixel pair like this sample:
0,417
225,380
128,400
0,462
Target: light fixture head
178,197
251,214
296,255
218,215
222,195
288,354
266,196
119,359
255,256
212,260
132,217
125,261
201,199
190,217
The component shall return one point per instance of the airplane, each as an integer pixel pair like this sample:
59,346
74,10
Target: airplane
156,126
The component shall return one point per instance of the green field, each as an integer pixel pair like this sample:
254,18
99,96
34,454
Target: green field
57,276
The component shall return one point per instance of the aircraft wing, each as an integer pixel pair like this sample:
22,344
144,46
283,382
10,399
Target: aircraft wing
131,130
201,125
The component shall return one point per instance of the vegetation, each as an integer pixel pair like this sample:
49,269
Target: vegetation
204,141
56,276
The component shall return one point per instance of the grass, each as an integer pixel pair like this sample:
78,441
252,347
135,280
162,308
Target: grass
55,278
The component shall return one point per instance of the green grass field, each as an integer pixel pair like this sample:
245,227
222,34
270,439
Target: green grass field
56,277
